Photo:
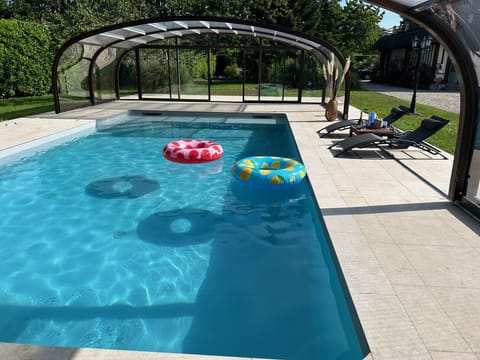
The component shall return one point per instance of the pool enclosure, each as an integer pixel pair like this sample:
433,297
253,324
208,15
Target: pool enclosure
456,25
193,59
214,59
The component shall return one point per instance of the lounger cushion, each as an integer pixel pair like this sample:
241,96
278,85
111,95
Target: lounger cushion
431,124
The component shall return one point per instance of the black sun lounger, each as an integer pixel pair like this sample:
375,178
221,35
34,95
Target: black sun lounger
395,114
414,138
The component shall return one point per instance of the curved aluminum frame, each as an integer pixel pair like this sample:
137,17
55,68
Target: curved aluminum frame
135,34
466,61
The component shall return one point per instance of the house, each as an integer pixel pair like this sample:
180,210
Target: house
398,59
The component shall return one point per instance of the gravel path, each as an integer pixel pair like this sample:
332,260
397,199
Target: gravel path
442,99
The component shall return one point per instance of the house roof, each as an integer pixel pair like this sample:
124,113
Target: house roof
399,40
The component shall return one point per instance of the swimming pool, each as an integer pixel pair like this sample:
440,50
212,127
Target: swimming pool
106,244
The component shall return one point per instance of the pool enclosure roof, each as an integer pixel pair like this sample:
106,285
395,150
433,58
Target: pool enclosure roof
130,35
86,52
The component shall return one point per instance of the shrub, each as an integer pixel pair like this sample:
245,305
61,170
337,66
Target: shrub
232,72
25,58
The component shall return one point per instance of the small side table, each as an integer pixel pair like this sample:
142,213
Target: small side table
388,131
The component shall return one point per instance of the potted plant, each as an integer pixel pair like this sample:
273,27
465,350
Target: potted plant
330,74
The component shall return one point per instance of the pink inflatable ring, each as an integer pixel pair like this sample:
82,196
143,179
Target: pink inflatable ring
192,151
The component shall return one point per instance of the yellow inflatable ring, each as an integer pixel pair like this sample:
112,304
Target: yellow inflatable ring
268,171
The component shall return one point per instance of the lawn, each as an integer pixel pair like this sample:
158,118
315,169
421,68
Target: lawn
445,139
26,106
363,100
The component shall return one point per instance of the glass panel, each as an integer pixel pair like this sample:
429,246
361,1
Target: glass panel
312,79
227,79
272,66
155,73
463,17
290,76
173,73
193,68
128,77
473,189
72,80
104,75
251,75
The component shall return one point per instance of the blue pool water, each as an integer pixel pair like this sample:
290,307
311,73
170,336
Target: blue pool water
106,244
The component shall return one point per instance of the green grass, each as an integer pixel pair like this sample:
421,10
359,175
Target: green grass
445,139
363,100
18,107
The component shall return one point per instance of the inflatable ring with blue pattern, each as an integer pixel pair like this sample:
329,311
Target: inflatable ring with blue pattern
268,171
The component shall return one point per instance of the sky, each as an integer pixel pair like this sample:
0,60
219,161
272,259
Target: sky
390,19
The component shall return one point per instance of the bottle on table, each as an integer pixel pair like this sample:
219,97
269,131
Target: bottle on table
371,119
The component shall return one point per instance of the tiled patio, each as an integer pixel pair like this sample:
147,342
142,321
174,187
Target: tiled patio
410,257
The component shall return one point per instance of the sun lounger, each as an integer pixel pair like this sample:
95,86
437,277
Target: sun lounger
414,138
395,114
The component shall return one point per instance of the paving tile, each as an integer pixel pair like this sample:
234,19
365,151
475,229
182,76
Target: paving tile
23,130
426,229
463,308
361,269
89,354
344,183
326,188
461,223
353,199
379,197
340,223
436,355
329,201
432,323
389,332
445,266
395,264
373,229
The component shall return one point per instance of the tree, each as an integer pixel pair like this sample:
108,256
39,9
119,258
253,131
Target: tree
330,19
359,27
305,16
352,29
4,10
37,10
85,15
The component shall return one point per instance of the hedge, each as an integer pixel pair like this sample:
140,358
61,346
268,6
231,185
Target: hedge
25,58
